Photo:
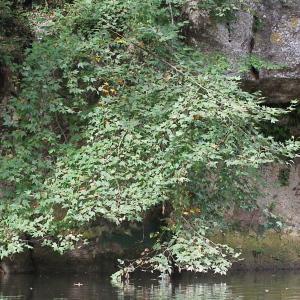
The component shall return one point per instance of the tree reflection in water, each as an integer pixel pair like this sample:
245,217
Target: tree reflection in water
240,286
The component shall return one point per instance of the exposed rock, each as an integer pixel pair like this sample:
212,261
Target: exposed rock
268,29
271,251
97,257
233,38
283,195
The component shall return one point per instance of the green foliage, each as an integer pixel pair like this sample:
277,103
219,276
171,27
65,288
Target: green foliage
221,9
257,63
285,129
273,221
14,32
258,24
115,118
188,249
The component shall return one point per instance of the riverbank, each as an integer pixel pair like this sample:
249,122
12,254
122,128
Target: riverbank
268,251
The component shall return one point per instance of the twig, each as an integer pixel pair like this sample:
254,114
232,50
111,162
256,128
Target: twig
171,12
121,141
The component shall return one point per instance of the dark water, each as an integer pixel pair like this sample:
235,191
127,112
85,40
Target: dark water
246,286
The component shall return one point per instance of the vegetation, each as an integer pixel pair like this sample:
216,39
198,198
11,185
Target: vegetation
221,9
115,116
14,33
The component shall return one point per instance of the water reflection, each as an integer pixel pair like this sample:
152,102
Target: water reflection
246,286
168,290
249,286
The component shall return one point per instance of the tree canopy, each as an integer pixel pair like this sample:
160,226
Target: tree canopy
115,115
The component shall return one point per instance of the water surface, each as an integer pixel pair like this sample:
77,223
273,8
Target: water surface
246,286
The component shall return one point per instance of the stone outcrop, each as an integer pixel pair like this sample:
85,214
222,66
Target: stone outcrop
283,195
267,29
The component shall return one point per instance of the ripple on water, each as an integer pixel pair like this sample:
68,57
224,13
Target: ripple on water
240,286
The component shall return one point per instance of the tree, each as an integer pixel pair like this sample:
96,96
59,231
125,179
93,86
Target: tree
116,116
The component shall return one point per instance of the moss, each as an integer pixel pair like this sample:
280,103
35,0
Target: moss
276,38
294,22
272,250
258,24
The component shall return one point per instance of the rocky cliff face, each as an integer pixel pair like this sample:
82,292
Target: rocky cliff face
268,29
283,196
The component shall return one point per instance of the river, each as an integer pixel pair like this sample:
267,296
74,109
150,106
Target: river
246,286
